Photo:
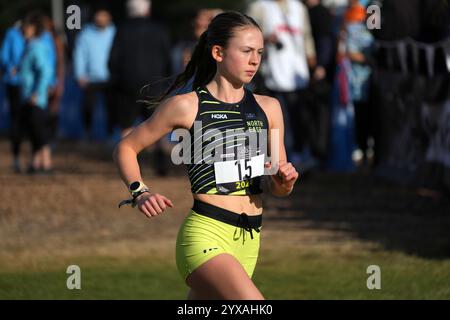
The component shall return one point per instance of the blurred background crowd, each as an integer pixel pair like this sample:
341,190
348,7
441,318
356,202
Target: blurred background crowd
364,85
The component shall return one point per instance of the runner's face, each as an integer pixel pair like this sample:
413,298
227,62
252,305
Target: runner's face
242,56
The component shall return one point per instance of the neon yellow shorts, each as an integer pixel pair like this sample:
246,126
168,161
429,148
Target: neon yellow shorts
208,231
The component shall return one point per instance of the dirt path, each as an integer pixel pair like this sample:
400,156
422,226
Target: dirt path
74,213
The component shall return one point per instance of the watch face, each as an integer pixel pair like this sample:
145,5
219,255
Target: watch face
135,185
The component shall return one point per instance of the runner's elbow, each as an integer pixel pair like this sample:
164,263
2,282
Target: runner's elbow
121,148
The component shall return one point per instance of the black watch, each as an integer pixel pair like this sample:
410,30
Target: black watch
136,188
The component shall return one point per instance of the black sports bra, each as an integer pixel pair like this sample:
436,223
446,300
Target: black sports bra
228,146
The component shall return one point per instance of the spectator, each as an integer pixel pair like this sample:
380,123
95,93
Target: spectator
290,50
183,50
11,52
321,26
358,43
92,49
140,58
337,9
320,87
35,78
57,85
140,55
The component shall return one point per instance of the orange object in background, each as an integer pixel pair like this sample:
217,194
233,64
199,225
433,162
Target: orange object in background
356,13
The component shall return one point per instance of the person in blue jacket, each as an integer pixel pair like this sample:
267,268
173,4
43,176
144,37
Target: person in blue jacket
11,52
91,54
35,74
359,44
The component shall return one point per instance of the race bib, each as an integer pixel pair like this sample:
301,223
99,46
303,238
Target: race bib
239,170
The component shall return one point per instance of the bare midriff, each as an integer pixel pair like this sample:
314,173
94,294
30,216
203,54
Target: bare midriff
251,204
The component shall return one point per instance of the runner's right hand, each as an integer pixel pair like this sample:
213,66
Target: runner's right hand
152,204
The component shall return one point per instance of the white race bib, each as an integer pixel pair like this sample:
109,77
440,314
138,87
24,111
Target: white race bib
238,170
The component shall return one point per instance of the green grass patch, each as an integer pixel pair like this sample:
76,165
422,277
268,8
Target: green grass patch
133,281
279,275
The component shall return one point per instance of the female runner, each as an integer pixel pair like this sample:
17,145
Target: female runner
218,242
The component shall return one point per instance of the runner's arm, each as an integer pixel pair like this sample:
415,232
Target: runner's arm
282,183
172,113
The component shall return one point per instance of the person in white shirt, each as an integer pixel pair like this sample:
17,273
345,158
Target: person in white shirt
286,69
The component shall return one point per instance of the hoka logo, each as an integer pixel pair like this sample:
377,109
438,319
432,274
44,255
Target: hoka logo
219,116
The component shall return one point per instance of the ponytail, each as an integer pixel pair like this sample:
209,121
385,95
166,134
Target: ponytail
203,62
202,67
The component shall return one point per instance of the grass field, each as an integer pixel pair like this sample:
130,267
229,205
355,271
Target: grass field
316,244
301,276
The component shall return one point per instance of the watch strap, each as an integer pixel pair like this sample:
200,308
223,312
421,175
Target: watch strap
134,195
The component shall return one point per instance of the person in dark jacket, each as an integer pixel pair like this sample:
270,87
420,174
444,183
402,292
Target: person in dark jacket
322,75
140,57
139,63
321,27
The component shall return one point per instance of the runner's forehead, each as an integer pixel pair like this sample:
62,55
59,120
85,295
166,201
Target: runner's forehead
247,37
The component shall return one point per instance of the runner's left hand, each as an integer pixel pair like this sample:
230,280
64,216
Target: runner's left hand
286,175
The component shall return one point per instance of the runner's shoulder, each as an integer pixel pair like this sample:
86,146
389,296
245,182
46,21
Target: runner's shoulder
266,101
270,105
182,103
181,109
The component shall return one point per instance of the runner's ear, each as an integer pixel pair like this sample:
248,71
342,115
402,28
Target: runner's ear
217,53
